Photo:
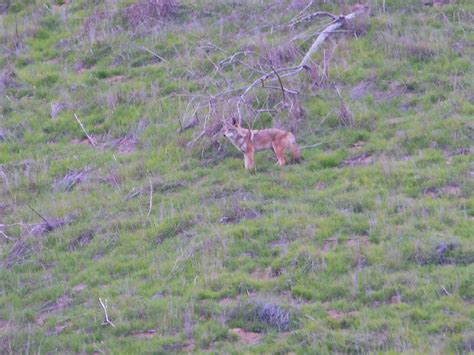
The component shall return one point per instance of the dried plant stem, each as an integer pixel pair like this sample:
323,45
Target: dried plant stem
104,306
151,198
84,130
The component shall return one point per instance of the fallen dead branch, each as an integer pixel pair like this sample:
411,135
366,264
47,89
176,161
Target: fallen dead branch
105,306
266,78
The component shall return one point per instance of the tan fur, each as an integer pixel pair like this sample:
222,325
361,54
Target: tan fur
251,141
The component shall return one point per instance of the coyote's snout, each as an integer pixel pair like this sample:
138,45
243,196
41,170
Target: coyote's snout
249,141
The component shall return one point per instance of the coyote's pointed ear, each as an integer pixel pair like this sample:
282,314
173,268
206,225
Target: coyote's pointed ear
235,122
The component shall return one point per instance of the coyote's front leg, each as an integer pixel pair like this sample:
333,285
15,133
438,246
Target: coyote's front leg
248,159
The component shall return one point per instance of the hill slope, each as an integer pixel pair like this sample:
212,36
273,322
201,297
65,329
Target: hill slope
365,246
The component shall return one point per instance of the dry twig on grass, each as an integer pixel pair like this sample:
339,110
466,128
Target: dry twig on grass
84,130
6,236
151,198
104,306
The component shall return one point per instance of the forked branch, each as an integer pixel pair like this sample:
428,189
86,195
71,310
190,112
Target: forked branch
278,74
104,306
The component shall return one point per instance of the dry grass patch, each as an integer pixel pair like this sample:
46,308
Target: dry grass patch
246,337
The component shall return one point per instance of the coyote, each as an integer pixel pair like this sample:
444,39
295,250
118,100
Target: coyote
249,141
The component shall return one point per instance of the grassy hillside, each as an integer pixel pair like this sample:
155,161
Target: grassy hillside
366,246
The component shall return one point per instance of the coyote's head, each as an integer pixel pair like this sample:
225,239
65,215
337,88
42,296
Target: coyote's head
230,128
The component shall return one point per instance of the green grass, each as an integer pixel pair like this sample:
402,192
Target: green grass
364,247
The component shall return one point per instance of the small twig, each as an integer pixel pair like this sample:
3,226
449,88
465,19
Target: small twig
338,94
281,84
311,146
154,54
294,92
445,291
47,8
151,198
35,211
22,225
6,236
104,306
309,17
84,130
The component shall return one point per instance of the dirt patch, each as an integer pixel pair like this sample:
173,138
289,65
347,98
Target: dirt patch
356,147
281,246
395,90
289,298
126,145
362,89
363,159
321,186
6,327
227,300
150,13
150,333
449,191
280,243
81,240
52,307
237,213
71,179
58,329
166,187
112,180
358,241
189,346
8,79
264,273
396,299
82,141
432,192
225,194
246,337
329,244
452,191
19,253
337,315
116,79
81,66
78,288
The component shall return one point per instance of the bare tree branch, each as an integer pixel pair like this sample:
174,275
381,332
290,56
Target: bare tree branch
154,54
335,25
35,211
264,77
